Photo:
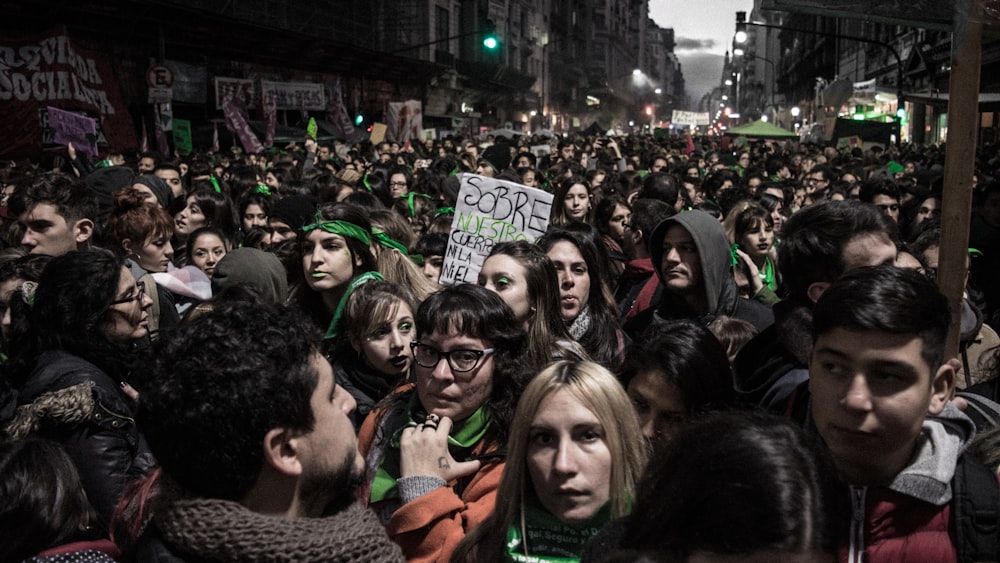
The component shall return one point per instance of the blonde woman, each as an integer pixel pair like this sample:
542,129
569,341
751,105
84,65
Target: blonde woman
574,456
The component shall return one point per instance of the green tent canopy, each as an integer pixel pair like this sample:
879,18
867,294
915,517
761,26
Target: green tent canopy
760,130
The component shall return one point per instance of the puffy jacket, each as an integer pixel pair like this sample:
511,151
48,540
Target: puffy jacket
897,528
72,402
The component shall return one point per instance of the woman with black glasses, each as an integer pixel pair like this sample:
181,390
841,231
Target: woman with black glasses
434,448
71,374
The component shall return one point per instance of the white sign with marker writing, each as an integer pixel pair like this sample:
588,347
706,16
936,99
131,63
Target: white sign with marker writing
489,211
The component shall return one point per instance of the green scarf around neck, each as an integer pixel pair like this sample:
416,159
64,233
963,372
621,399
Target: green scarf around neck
465,435
549,539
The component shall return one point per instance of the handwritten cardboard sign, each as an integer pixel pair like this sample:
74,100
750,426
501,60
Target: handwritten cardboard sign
489,211
73,128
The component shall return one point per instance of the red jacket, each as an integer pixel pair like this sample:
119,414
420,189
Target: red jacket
431,526
897,528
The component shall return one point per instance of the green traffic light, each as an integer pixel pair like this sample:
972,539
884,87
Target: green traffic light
359,119
490,43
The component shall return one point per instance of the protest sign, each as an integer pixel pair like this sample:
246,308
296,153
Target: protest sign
378,133
182,136
69,127
489,211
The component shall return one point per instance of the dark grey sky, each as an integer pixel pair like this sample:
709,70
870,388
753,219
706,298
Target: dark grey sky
704,32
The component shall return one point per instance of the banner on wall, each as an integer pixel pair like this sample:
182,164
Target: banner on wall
240,89
53,70
489,211
295,95
405,121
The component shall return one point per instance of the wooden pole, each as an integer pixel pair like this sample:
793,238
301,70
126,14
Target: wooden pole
959,164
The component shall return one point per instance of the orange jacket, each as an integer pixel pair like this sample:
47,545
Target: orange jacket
431,526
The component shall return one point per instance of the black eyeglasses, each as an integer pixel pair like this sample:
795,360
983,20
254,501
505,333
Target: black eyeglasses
458,360
140,291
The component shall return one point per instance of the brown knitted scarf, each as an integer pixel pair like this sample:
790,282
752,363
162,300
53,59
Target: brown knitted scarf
227,531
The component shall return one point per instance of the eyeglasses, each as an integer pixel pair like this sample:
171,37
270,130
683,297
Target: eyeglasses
140,292
459,361
813,180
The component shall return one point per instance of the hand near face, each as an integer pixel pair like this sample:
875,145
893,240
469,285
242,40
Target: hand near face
424,451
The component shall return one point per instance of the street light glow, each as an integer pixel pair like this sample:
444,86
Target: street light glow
738,51
658,91
729,82
796,111
636,72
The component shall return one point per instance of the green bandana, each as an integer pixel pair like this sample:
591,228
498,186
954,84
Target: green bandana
342,228
464,436
548,539
409,202
215,184
358,281
443,211
262,189
388,242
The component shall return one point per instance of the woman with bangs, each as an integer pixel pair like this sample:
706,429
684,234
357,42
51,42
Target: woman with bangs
434,447
751,232
574,457
374,356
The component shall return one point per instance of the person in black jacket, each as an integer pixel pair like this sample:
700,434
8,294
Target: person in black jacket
70,378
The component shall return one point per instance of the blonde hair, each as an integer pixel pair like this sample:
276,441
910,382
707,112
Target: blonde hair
599,390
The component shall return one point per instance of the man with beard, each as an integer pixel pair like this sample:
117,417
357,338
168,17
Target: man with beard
256,446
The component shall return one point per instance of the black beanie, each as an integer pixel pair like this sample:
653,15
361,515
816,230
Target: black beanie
164,195
498,156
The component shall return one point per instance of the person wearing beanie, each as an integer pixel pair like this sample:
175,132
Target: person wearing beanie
495,160
155,187
288,215
254,267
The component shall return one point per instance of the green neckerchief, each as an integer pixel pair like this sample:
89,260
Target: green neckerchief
464,436
358,281
550,540
388,242
767,274
215,184
342,228
262,189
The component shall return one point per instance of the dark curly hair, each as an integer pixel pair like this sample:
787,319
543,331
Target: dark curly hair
218,385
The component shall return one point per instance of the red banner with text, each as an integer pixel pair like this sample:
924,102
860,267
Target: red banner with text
53,70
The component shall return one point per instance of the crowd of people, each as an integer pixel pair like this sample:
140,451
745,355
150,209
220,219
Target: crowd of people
718,351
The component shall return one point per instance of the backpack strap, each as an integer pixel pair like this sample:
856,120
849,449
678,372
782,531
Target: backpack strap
975,511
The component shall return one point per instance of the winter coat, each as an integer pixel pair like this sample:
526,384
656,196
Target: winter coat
910,519
71,401
429,527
